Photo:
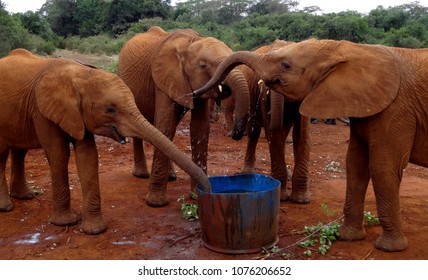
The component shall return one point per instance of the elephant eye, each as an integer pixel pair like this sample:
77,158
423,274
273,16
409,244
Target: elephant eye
203,65
110,109
286,65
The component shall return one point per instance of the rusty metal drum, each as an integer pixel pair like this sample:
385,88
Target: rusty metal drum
241,213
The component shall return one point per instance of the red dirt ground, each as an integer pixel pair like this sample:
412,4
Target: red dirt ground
136,231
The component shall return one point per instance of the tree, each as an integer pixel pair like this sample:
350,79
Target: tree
264,7
91,16
36,24
12,33
232,10
61,15
299,26
350,26
123,13
388,18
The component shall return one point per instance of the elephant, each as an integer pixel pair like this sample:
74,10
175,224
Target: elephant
50,103
373,85
277,115
161,69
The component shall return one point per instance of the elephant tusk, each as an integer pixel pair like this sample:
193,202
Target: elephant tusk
220,88
260,82
119,138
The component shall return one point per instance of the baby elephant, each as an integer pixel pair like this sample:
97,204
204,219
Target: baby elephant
51,102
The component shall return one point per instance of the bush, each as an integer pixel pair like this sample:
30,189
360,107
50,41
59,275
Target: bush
13,35
38,45
100,44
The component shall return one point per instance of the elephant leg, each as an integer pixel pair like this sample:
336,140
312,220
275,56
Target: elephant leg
87,167
18,184
386,174
157,196
388,207
166,122
229,108
199,134
140,162
5,202
301,150
214,113
172,176
278,164
56,145
58,153
357,180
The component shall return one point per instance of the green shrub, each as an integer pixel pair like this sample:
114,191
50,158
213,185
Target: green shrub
99,44
38,45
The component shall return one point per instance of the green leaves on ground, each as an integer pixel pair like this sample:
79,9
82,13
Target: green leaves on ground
189,211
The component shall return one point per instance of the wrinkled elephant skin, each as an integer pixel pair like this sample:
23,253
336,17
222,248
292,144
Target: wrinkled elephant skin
384,92
161,69
50,103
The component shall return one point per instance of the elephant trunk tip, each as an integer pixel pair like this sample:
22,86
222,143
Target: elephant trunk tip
205,184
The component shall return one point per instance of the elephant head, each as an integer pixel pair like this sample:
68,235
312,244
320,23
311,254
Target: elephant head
100,102
186,61
332,78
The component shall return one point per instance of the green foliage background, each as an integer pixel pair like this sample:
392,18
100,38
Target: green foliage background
102,26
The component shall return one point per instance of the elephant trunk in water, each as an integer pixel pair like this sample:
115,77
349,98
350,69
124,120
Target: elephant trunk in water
142,128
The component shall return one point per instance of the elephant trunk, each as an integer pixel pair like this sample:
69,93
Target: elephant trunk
277,101
241,94
143,129
242,57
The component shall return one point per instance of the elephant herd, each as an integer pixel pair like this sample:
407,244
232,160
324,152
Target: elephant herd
50,103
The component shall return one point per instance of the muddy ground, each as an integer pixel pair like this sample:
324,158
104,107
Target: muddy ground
136,231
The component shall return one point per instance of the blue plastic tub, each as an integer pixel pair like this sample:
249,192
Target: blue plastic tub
240,215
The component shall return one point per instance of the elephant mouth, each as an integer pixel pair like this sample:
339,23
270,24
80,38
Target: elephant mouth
275,82
116,136
221,92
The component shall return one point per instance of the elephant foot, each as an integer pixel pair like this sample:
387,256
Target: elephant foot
93,225
156,199
247,170
140,173
350,233
300,198
391,242
6,204
285,195
64,218
22,193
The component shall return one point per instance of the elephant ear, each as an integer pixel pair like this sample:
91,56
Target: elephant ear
59,101
363,82
168,69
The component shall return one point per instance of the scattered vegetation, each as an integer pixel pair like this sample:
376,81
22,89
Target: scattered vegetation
37,190
320,235
316,238
102,26
189,211
333,166
371,220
